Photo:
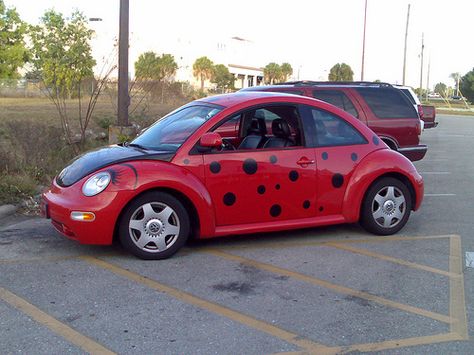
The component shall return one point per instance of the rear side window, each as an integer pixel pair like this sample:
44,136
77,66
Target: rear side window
408,94
336,98
332,130
388,103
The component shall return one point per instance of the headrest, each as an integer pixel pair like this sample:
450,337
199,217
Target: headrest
280,128
257,127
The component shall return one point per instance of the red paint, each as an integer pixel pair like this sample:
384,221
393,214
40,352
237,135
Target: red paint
242,191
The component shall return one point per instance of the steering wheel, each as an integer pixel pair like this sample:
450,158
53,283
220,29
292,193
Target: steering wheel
226,145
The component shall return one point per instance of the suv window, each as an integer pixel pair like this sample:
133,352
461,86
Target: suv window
408,94
336,98
388,103
332,130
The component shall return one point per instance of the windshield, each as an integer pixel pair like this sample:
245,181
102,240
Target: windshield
172,130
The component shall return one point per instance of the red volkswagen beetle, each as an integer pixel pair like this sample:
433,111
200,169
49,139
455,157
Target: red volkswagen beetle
233,164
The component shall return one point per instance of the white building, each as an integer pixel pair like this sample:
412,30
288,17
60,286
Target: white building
238,54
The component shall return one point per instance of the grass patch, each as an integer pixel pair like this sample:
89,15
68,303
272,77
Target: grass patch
17,187
32,145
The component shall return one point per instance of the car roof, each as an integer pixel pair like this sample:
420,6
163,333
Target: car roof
308,83
228,100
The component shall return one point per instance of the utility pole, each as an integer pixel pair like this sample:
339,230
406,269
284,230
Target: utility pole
123,97
405,51
428,77
421,69
363,43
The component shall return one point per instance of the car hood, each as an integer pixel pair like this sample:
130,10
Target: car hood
89,162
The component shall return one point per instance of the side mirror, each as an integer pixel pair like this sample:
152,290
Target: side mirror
211,140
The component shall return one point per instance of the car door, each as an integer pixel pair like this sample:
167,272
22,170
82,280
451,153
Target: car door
339,147
267,183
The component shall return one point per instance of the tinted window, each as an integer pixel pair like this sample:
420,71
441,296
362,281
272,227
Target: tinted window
332,130
408,94
336,98
388,103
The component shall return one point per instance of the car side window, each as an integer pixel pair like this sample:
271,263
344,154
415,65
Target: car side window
336,98
275,126
230,128
332,130
388,103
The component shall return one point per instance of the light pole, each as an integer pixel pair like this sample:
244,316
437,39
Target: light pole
421,68
405,50
363,43
123,97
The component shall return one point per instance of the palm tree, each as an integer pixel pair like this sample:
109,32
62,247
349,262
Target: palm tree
456,77
272,73
203,69
286,71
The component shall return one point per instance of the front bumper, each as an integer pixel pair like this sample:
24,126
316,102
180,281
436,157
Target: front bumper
58,203
414,153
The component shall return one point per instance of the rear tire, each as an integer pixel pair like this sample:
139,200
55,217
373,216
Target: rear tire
386,207
154,226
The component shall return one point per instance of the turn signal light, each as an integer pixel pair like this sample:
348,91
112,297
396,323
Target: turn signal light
82,216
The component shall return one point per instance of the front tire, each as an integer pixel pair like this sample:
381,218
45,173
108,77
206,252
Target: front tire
386,207
154,226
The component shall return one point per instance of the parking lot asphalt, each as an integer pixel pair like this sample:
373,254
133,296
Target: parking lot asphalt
319,291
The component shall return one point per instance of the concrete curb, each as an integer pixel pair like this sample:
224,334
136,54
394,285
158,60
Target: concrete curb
7,210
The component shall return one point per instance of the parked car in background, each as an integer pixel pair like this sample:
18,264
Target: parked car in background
382,107
233,164
427,112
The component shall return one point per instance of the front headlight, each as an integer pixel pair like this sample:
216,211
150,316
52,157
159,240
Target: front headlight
96,184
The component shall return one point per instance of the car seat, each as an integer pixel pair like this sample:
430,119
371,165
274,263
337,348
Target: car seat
281,135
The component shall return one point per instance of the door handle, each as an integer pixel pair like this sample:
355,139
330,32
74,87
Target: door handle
304,162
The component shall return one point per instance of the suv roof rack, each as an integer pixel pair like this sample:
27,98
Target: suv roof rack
336,83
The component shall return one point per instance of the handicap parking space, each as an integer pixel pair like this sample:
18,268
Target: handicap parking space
315,292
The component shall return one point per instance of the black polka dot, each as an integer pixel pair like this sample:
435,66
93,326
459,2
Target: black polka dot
273,159
337,180
229,199
325,155
376,140
321,208
293,175
275,210
306,204
250,166
186,161
261,189
277,186
354,156
215,167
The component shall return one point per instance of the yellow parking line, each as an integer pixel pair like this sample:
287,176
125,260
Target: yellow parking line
71,335
457,306
268,328
400,343
331,286
391,259
281,243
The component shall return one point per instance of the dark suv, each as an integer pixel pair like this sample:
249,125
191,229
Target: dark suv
385,109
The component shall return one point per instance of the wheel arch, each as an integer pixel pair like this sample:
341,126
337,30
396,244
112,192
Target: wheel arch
180,196
392,144
396,175
377,165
